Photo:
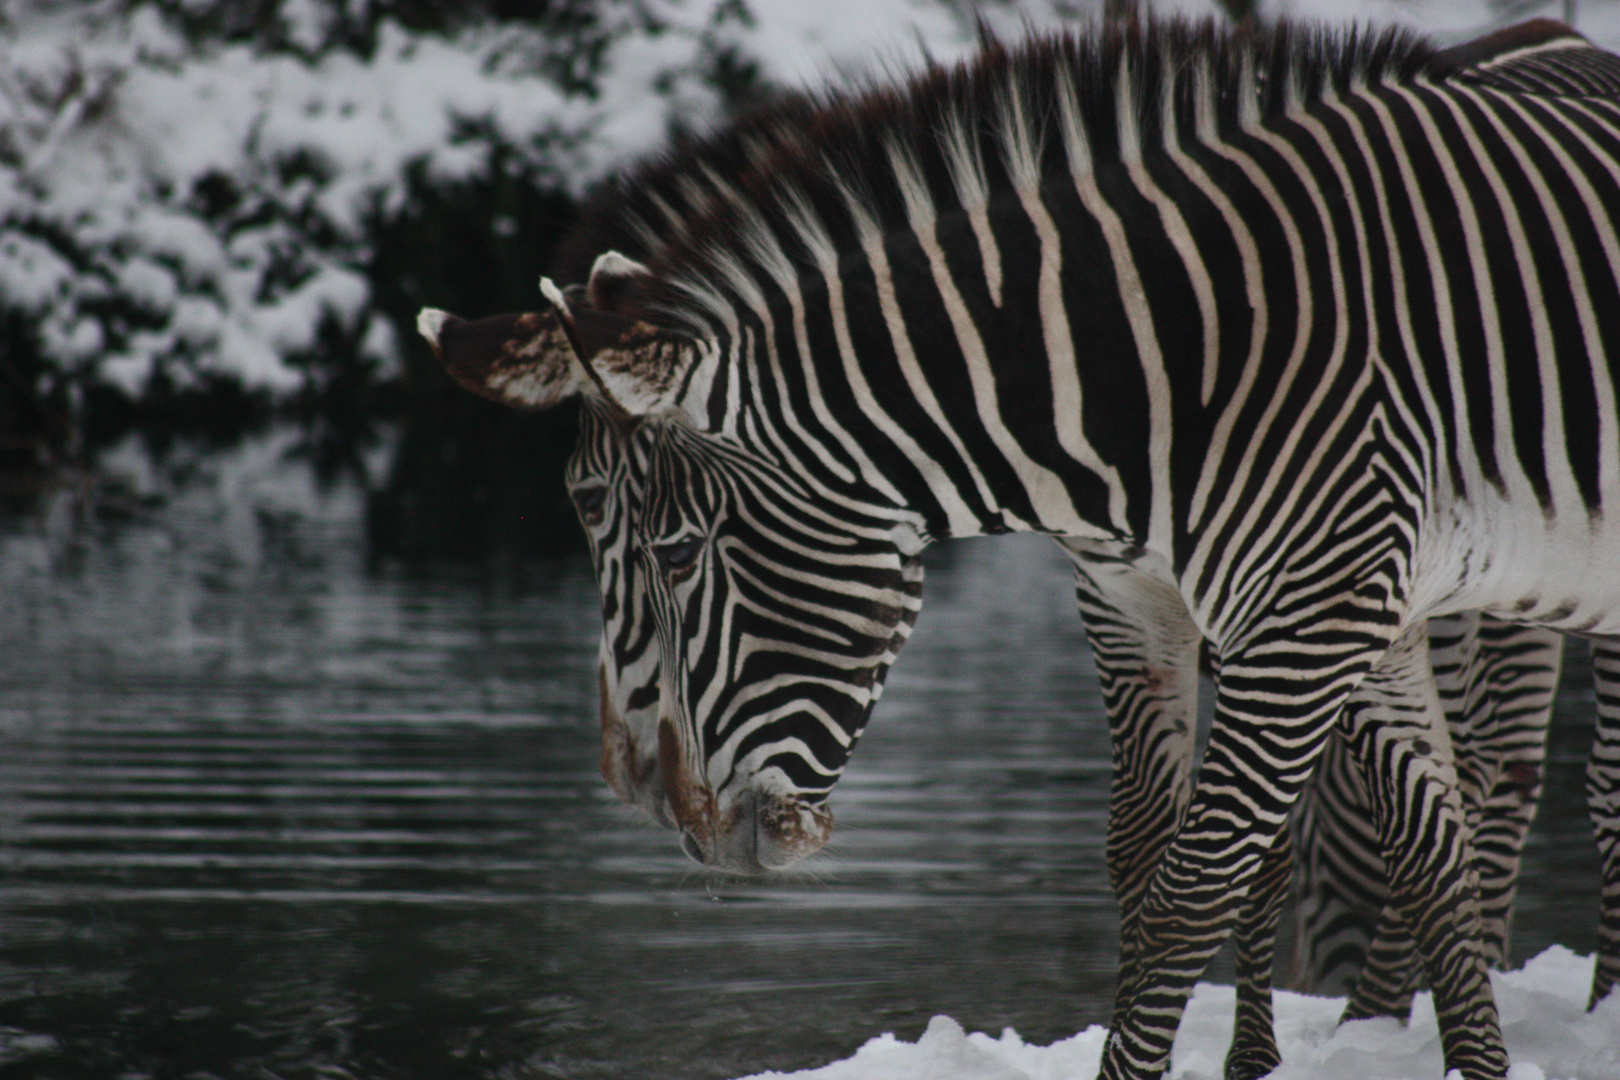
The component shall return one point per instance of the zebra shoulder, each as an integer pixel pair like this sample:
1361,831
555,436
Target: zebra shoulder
1540,56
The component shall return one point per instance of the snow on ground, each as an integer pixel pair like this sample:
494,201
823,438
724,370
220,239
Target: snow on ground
1550,1036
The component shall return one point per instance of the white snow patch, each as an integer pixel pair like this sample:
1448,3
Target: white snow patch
1549,1033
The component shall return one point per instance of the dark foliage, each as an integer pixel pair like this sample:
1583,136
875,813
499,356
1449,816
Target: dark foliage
581,29
470,481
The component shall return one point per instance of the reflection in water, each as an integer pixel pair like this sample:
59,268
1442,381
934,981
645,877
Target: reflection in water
266,813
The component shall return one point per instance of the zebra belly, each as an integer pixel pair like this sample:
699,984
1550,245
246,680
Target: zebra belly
1559,571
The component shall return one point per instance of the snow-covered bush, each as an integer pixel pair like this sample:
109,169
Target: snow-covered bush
177,207
211,210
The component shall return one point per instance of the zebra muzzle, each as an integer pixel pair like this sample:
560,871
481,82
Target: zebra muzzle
754,833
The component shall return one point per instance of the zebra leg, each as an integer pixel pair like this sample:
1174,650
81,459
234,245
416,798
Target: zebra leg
1521,665
1341,888
1603,805
1254,1051
1271,722
1496,683
1267,735
1145,646
1399,734
1390,971
1146,650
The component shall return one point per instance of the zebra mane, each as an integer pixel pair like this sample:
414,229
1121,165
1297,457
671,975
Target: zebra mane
644,211
807,179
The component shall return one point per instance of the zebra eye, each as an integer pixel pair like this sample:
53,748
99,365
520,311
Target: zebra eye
589,502
675,557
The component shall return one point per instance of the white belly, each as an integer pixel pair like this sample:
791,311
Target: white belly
1522,567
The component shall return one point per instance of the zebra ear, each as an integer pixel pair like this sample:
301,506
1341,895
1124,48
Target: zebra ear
520,360
636,365
613,282
643,367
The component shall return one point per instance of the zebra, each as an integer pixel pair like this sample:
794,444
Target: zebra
602,478
1320,595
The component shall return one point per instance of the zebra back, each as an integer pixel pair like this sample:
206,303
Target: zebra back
1540,56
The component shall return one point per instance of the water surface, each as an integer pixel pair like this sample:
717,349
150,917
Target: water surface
269,811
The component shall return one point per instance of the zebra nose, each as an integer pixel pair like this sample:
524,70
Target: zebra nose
758,833
729,843
751,833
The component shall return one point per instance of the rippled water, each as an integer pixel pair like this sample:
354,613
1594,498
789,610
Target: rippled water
266,811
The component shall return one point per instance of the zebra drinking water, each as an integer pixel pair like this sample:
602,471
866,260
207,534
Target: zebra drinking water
1152,708
1308,464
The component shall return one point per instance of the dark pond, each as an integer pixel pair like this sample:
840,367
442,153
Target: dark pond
269,811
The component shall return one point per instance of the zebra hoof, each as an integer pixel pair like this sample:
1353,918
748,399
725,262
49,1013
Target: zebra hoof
1362,1007
1251,1063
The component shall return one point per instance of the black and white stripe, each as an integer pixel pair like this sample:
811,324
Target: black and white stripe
1496,681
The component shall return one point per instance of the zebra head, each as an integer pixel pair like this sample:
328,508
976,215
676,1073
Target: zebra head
777,623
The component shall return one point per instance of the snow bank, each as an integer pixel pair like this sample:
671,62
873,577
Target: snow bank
1543,1007
207,210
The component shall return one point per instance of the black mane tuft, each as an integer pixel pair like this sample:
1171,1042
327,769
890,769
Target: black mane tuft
682,212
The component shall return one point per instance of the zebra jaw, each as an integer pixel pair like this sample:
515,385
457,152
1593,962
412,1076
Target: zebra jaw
629,769
755,833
